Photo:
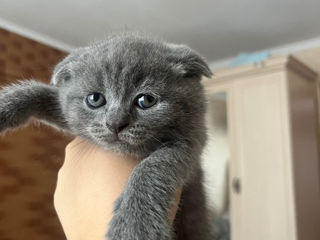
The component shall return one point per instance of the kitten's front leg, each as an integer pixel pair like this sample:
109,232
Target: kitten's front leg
19,102
142,210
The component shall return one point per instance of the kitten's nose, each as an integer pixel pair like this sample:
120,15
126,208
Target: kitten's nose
117,127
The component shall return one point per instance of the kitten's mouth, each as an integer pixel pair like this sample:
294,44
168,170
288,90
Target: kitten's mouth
115,138
120,138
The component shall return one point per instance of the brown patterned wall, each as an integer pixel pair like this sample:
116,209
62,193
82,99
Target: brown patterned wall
29,157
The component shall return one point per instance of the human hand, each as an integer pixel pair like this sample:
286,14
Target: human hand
89,182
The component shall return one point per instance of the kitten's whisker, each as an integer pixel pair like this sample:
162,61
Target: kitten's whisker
97,131
99,125
86,150
82,150
156,139
79,143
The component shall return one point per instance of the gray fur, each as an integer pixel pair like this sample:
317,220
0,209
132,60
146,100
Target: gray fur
168,137
221,227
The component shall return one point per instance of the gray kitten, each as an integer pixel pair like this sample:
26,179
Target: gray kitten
137,96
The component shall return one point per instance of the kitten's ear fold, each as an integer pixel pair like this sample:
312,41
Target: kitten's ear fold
61,74
188,63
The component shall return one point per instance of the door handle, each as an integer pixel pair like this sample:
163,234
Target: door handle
236,185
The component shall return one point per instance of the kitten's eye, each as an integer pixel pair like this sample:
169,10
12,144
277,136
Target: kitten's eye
95,100
144,101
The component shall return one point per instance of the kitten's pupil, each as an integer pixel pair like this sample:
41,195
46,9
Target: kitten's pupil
95,100
95,97
145,101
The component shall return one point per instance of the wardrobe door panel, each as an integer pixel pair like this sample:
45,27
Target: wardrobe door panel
262,153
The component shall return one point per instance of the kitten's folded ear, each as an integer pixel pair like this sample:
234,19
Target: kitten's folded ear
187,63
61,74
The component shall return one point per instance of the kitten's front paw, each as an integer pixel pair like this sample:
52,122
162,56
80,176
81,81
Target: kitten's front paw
134,224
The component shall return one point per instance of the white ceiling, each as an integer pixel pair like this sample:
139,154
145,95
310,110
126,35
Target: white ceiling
217,29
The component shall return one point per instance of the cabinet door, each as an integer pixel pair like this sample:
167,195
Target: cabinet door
262,206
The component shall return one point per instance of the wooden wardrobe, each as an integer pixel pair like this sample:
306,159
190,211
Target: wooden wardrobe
273,126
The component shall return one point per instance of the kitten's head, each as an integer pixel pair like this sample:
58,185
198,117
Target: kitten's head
132,93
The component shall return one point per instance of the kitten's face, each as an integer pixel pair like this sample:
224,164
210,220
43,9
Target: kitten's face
130,93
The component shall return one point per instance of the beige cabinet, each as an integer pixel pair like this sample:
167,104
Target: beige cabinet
273,143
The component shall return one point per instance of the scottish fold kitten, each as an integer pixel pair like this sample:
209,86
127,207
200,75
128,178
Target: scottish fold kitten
137,96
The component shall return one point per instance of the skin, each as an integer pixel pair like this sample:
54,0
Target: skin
89,182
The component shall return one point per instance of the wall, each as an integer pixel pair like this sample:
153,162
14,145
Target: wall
31,156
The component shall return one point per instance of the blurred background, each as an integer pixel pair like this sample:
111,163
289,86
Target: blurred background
217,29
262,159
